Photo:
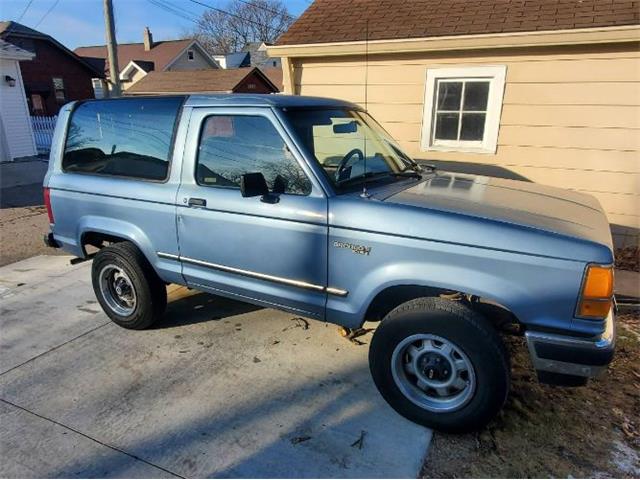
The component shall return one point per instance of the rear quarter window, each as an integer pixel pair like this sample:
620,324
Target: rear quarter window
122,138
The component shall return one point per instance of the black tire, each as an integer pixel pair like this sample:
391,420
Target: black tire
150,291
471,333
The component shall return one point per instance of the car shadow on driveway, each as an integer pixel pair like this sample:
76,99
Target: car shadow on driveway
187,307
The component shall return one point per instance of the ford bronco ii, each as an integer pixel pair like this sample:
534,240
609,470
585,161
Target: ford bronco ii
308,205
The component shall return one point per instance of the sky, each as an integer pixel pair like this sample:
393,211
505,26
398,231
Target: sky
77,23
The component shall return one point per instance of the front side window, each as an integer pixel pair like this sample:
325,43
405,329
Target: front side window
232,145
126,138
462,109
350,146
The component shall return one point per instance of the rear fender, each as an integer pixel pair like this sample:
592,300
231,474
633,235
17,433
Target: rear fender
168,270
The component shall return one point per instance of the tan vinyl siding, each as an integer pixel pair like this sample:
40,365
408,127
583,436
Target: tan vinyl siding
570,115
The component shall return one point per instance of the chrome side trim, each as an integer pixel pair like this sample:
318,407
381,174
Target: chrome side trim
337,291
262,276
168,256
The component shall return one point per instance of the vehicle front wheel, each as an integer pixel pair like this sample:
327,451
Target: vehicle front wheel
128,289
440,364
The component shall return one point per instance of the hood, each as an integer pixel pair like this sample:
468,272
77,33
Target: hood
554,210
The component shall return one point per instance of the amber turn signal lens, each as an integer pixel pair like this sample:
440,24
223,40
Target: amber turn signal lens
594,308
598,283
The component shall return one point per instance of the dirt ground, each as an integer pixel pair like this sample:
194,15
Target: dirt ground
546,431
21,232
628,258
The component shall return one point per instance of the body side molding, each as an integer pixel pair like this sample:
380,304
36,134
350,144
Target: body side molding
262,276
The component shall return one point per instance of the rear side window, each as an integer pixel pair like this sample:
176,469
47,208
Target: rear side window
123,138
232,145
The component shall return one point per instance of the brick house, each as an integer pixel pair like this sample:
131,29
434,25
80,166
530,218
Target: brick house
55,76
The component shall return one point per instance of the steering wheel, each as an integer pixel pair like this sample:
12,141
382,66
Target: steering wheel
345,160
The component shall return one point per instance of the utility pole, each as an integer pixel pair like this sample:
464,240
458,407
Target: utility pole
112,49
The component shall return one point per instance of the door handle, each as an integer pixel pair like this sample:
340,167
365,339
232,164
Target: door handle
197,202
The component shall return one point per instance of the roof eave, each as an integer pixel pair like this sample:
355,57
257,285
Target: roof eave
70,53
595,35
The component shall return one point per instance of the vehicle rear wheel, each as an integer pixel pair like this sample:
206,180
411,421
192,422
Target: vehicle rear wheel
127,287
440,364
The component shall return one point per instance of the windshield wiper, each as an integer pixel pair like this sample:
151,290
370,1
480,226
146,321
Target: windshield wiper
365,175
368,175
407,174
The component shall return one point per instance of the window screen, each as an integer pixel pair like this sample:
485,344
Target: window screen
127,138
232,145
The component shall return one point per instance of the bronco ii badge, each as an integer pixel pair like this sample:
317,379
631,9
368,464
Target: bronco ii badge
359,249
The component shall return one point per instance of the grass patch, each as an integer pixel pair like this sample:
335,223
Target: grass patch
547,431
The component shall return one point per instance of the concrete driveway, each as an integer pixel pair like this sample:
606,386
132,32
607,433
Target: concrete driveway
217,389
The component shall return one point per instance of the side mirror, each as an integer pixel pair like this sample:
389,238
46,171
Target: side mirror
254,184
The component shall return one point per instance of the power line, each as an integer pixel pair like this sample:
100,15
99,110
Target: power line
47,13
266,9
169,8
225,12
24,11
192,17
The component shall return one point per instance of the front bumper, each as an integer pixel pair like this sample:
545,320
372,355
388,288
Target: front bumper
566,360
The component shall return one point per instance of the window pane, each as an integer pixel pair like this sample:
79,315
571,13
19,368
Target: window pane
449,95
472,126
447,126
128,137
231,146
476,95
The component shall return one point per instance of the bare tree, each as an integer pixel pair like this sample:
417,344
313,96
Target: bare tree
247,21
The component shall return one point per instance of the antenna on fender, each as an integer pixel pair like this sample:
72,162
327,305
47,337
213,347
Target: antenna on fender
365,193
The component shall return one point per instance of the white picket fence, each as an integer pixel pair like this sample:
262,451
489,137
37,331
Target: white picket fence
43,132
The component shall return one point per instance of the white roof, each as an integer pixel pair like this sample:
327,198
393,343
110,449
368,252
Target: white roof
11,52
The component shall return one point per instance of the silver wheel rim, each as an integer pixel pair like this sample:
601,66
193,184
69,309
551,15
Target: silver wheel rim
117,290
434,373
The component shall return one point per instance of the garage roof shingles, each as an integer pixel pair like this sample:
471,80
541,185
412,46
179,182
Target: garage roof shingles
330,21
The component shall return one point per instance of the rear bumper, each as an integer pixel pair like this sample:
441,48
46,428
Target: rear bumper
569,360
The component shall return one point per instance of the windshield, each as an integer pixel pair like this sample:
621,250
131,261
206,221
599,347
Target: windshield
350,146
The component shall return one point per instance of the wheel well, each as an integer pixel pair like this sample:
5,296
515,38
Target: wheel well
390,298
98,240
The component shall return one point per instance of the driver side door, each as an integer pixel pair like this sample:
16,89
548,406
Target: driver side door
273,254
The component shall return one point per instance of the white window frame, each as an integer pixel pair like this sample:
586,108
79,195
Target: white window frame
192,54
496,75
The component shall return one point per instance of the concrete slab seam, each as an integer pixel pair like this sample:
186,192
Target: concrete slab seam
135,457
56,347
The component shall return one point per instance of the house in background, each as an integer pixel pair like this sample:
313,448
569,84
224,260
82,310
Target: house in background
545,91
254,54
136,60
236,80
55,75
16,135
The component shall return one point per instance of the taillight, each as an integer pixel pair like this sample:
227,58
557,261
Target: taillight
47,203
596,295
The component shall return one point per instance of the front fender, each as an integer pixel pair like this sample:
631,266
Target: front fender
537,290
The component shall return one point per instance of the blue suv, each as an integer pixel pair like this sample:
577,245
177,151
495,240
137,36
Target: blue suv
308,205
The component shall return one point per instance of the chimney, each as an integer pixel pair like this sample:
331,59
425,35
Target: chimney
148,39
